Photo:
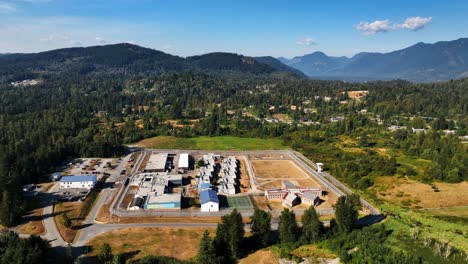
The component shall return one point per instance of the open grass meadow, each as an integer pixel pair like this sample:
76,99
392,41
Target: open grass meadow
136,243
212,143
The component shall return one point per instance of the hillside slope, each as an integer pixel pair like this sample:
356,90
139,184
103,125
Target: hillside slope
421,62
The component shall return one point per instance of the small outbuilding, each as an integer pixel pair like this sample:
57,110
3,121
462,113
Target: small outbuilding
209,201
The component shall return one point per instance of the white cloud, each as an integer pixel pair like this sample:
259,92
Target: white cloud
371,28
61,39
7,7
167,46
55,38
381,26
306,42
415,23
101,40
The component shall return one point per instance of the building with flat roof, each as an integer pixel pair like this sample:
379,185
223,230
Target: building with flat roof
78,182
157,162
155,191
183,161
209,201
163,201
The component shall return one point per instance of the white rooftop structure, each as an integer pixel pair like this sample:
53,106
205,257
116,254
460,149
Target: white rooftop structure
157,162
183,161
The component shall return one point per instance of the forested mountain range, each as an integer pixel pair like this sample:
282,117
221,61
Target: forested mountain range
128,59
421,62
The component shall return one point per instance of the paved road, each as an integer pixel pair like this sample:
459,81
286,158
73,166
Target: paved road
52,233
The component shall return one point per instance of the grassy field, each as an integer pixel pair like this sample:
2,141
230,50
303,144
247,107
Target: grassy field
262,256
271,173
410,193
457,214
314,252
72,209
139,242
418,165
212,143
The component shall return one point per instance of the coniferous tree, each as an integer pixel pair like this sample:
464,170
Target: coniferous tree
346,212
10,212
312,227
261,226
229,235
288,228
206,251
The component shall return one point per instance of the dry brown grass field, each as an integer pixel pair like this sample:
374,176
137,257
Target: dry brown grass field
72,209
32,223
414,194
357,95
180,243
262,256
245,178
271,173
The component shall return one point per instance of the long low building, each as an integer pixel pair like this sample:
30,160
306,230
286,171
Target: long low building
292,195
78,182
157,162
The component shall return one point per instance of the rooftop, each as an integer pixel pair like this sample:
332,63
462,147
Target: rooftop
208,196
165,198
183,160
79,178
157,161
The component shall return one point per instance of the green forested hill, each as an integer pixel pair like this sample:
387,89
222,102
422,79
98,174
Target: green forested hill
125,59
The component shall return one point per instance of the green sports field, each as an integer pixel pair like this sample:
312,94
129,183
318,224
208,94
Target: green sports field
239,202
212,143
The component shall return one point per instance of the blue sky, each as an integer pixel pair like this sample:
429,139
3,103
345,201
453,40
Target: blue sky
256,28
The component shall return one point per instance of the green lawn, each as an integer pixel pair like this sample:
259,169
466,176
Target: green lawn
212,143
239,202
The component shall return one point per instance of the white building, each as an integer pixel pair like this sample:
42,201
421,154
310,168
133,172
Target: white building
78,182
183,161
209,201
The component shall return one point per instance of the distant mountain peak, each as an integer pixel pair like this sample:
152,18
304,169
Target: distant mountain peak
421,62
